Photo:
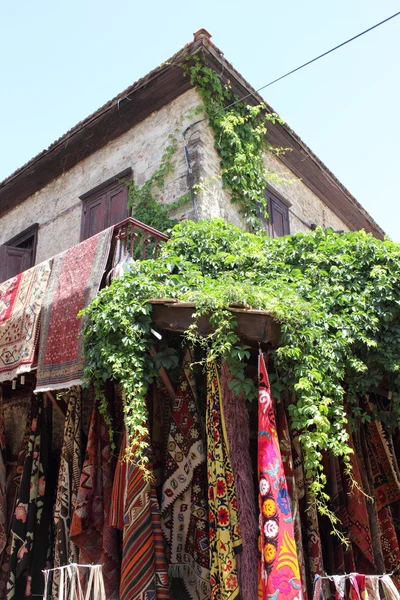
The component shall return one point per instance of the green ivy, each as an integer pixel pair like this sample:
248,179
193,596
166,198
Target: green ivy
240,140
336,296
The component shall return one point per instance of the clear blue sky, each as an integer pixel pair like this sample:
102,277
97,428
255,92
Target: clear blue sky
60,61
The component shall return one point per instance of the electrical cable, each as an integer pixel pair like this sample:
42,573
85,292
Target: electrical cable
315,59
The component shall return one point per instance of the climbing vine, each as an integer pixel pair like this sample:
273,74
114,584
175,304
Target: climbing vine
336,296
239,130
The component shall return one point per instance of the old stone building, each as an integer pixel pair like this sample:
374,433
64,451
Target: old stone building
74,189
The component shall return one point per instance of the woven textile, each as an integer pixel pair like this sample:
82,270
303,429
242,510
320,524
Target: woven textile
238,431
98,543
184,496
135,510
288,465
20,302
278,564
385,482
359,527
224,530
390,544
75,280
65,551
3,480
14,477
28,553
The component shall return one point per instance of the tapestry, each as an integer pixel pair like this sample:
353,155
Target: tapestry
339,558
97,541
238,432
224,529
279,571
184,496
288,466
15,470
65,551
159,419
359,527
74,282
390,544
3,480
385,482
29,537
21,299
135,510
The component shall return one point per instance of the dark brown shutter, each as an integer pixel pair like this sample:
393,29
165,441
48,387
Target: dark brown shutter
13,261
279,218
103,208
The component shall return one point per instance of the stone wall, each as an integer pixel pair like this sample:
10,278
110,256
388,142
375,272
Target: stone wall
58,208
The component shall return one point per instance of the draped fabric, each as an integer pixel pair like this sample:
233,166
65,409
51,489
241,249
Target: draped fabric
224,530
135,510
74,282
238,432
288,465
279,571
3,480
29,535
386,484
184,496
13,485
359,526
390,544
97,541
65,551
357,587
20,304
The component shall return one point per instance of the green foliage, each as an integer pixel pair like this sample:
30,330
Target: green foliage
337,297
144,201
239,140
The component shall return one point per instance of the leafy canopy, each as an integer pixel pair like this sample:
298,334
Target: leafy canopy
337,297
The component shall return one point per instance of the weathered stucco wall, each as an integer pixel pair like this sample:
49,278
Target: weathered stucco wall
57,208
305,207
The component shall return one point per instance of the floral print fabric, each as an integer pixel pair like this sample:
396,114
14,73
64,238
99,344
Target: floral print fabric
279,571
224,532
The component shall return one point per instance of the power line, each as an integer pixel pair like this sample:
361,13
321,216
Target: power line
315,59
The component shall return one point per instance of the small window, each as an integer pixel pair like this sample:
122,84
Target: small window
277,223
105,205
19,253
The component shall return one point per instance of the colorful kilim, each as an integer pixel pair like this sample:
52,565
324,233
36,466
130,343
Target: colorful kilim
238,431
279,571
65,551
390,544
75,280
288,465
20,303
359,527
224,530
184,496
98,543
3,480
14,477
136,511
27,526
385,482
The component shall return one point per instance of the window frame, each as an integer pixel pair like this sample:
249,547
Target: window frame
23,236
281,204
88,198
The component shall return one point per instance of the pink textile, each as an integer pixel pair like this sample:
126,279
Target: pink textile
279,571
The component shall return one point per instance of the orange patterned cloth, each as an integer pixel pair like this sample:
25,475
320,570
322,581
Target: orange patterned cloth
279,570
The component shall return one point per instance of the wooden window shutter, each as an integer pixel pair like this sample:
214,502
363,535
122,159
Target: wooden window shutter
104,206
13,261
279,218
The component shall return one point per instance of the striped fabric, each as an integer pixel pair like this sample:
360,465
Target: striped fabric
143,569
